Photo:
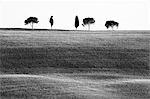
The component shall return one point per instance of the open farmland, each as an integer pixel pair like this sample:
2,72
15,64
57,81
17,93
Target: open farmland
106,64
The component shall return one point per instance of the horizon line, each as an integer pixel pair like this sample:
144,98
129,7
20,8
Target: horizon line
69,30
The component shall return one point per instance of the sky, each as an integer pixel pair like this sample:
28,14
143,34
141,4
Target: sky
131,14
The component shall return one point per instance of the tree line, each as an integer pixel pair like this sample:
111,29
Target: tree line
86,22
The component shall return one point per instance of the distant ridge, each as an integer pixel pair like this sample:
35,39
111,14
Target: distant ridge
28,29
33,29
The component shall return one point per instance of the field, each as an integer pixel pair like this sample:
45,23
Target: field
74,64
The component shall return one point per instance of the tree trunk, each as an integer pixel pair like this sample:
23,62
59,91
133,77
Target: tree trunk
88,26
117,27
112,27
32,25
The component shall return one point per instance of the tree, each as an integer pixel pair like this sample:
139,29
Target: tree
76,22
31,21
88,21
111,24
51,21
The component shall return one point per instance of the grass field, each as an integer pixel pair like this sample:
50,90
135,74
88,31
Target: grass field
74,64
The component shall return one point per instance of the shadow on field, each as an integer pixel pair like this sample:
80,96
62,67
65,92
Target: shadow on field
131,90
17,86
59,59
35,87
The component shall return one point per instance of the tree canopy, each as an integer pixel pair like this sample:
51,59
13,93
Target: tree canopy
76,22
51,21
111,24
88,21
31,20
